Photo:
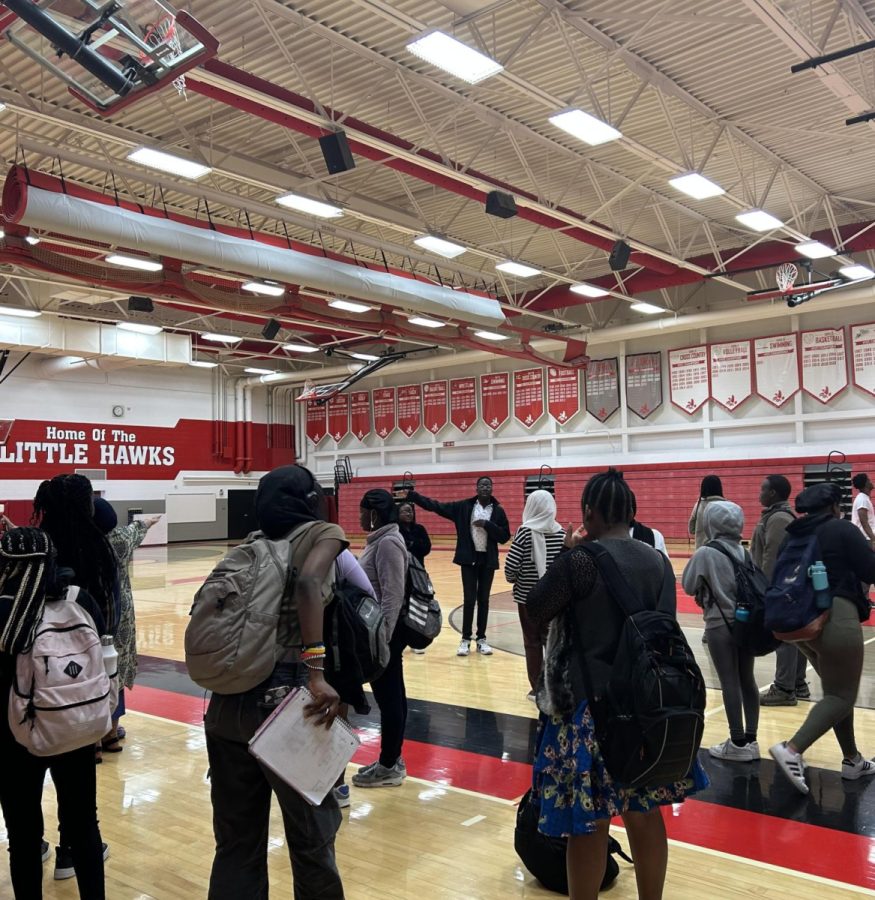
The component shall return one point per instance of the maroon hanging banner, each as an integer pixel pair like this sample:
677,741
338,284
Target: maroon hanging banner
463,402
563,393
495,399
410,408
824,364
602,388
435,408
688,378
643,383
338,417
776,364
731,373
384,411
863,350
528,396
317,421
360,413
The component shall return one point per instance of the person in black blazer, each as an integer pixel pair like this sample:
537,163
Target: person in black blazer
481,525
415,536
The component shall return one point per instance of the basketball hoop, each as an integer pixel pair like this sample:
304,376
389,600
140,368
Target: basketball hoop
164,34
785,276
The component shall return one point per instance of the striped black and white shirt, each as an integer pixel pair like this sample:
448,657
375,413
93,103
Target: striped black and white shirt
519,567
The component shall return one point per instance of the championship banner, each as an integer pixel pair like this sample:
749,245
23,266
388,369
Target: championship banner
338,417
435,405
863,344
384,411
528,396
731,375
776,364
563,393
463,402
495,399
360,413
317,421
602,387
410,408
688,378
643,383
824,364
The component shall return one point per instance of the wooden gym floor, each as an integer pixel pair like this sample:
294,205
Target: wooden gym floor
448,831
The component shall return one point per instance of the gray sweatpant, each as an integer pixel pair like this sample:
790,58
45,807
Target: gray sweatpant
837,656
741,697
790,666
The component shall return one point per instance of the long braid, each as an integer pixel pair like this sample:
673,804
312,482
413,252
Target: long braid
608,493
26,567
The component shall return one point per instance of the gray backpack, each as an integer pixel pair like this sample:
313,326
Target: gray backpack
231,641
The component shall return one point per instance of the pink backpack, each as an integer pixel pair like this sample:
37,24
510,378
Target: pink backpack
61,699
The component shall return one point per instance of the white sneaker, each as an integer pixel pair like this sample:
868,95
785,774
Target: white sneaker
341,795
531,696
860,768
732,752
483,647
418,652
791,765
464,648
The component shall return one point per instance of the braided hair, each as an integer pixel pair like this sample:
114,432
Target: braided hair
610,496
64,508
27,571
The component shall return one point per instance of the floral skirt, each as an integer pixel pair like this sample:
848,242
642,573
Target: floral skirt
573,785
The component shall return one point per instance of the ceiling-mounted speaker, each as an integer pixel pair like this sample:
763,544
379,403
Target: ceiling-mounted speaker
335,150
619,258
140,304
271,329
500,204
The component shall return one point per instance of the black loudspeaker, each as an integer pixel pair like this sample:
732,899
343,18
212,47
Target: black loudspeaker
500,204
335,149
271,329
140,304
619,258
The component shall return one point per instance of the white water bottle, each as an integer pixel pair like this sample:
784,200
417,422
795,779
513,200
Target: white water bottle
110,662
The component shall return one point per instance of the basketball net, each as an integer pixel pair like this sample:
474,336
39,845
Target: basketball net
164,33
785,275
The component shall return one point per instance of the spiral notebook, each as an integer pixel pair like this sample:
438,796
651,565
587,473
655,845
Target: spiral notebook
307,756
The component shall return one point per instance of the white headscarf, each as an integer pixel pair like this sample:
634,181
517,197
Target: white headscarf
539,517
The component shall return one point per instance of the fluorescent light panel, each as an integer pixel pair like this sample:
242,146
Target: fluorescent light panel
168,162
349,306
490,336
856,272
300,348
142,263
758,220
696,186
268,288
518,269
139,327
20,312
422,322
252,370
367,357
309,206
221,338
588,290
448,54
203,364
815,250
585,127
646,308
438,245
32,240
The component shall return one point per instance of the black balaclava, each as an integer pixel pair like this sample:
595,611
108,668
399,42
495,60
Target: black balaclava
287,497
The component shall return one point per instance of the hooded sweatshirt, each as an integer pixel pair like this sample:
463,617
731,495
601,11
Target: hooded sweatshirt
709,576
384,562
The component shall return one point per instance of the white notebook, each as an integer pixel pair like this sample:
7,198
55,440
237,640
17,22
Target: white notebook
307,756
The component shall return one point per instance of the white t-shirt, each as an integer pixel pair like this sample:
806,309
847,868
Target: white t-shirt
479,535
658,542
862,501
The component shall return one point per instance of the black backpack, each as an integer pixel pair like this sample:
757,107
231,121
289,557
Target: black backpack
420,618
544,856
650,720
357,650
751,585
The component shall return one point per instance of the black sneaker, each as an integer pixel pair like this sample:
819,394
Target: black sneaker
46,851
803,691
64,862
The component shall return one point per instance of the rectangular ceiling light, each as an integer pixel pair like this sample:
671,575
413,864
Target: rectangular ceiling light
856,272
439,246
518,269
490,336
758,220
815,250
168,162
32,240
366,357
585,127
20,312
221,338
267,288
139,328
2,234
350,306
588,290
696,186
422,322
309,206
453,56
2,107
252,370
300,348
142,263
647,308
203,364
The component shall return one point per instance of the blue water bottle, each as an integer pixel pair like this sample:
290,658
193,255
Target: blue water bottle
820,583
742,613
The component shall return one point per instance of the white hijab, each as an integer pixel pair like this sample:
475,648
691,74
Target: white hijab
539,517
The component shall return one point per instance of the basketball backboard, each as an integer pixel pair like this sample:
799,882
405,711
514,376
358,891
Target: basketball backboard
110,54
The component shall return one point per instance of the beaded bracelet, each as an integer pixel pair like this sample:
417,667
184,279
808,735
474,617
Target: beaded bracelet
314,668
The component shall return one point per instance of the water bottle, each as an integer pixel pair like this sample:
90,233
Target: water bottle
742,613
820,583
110,655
